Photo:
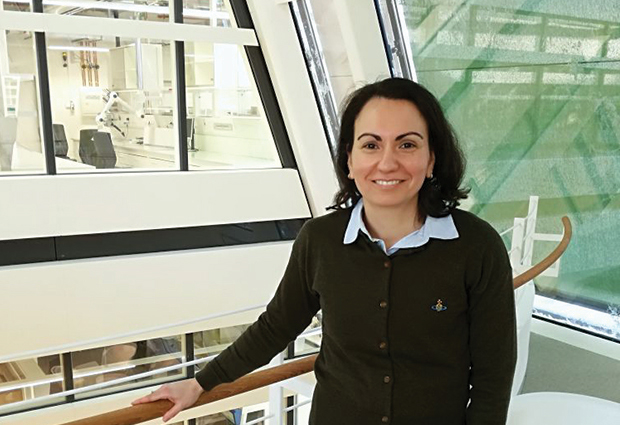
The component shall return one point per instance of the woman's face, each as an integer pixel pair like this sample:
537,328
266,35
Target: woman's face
390,157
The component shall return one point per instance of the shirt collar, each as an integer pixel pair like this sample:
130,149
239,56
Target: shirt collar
433,227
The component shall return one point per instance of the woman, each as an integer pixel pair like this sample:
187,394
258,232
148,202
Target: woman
416,295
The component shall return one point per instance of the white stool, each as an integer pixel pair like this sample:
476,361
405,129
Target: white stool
549,408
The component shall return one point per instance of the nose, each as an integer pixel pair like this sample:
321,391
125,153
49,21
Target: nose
388,161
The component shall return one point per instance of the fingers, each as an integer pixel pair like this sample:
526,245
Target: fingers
145,399
154,396
179,394
172,412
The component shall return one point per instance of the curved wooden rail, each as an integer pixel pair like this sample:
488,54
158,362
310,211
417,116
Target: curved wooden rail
144,412
549,260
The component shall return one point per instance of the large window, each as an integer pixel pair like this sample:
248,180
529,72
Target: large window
533,90
112,102
226,120
116,99
213,13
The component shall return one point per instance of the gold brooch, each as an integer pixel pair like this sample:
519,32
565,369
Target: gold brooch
439,306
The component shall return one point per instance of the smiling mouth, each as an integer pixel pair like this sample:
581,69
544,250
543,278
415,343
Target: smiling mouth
387,182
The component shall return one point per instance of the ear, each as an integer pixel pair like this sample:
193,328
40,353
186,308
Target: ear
431,165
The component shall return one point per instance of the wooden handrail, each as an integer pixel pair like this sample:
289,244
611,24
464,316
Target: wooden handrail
549,260
144,412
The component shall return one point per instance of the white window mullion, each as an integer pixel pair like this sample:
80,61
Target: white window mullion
85,26
287,67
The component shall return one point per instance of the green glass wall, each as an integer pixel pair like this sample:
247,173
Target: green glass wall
533,90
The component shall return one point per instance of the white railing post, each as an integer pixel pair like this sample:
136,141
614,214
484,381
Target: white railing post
523,237
516,246
276,396
530,229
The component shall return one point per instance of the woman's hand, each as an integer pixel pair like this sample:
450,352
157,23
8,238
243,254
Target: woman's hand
183,394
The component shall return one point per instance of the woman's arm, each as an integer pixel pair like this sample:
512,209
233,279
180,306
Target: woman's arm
492,332
287,315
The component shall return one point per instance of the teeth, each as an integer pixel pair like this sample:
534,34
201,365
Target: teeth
387,182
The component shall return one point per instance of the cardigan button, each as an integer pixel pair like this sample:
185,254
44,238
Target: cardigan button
386,264
382,345
386,379
385,419
383,304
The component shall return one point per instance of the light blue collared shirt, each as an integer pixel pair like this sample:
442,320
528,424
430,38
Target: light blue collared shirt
437,228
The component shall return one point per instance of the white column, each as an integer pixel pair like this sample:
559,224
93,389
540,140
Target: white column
363,40
287,68
276,396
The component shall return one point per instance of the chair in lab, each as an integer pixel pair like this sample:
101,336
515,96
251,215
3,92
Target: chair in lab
61,147
96,149
87,148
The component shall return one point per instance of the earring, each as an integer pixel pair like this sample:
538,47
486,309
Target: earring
434,182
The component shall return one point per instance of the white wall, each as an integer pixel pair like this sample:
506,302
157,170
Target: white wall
52,304
59,302
21,53
22,61
95,203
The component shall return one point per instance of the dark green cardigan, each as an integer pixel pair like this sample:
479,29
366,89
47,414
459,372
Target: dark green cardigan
390,353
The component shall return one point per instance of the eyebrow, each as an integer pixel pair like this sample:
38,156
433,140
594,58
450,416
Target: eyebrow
376,136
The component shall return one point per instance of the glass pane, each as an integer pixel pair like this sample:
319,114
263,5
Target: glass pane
232,417
333,47
137,10
29,379
16,5
212,13
310,342
312,36
227,127
112,103
21,149
256,412
534,94
122,360
214,341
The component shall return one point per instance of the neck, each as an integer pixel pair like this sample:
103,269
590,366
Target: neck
392,224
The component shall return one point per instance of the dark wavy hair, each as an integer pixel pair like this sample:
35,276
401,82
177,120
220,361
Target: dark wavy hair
438,196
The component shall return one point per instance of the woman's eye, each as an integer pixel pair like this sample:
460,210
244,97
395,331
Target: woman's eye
369,145
407,145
